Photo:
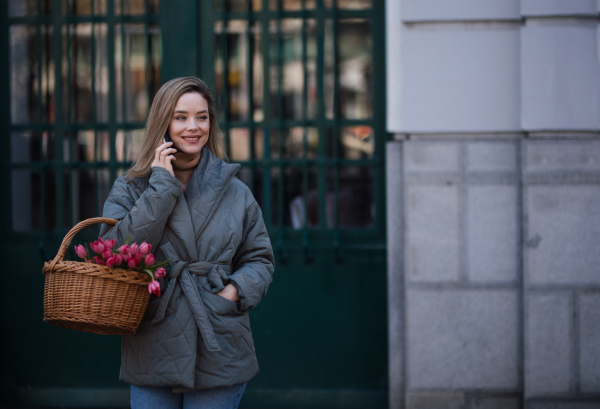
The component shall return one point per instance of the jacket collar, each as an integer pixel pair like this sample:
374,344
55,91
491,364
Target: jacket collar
202,197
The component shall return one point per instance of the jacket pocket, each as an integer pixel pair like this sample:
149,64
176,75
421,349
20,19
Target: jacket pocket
220,305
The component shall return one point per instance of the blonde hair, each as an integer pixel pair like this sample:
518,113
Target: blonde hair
159,119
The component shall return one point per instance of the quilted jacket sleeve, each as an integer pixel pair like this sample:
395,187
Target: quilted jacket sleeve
144,217
253,263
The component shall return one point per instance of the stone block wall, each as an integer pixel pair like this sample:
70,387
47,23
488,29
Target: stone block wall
493,183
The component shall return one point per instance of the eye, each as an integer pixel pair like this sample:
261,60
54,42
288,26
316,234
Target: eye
179,118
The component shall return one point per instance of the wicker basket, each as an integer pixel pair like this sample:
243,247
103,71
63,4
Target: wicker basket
90,297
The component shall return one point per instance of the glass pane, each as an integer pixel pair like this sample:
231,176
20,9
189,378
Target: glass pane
129,144
355,66
102,146
256,5
101,72
19,8
328,68
354,4
293,4
103,187
31,147
257,68
78,7
293,142
311,68
356,142
32,75
155,53
80,73
355,206
219,70
133,6
297,208
235,5
239,140
288,48
259,144
82,198
100,7
82,149
131,70
26,200
237,63
153,6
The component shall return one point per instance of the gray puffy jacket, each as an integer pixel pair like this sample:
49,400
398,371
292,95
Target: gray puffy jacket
214,234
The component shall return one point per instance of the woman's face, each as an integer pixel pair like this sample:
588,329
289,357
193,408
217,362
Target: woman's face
190,125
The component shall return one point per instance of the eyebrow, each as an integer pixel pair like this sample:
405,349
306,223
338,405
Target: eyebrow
185,112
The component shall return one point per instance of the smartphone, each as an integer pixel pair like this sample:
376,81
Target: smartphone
166,137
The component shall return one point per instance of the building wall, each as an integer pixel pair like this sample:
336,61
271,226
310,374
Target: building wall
493,203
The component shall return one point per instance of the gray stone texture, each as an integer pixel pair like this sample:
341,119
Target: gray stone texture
548,330
435,400
566,155
492,234
432,233
497,156
558,7
462,78
563,234
395,269
462,339
494,403
415,10
557,94
589,342
431,156
563,405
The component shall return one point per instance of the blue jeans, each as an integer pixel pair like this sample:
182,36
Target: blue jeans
224,397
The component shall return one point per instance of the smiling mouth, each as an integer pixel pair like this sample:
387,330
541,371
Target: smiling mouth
190,138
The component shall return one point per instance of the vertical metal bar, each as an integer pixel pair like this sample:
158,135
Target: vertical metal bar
112,136
322,176
267,177
305,233
58,116
335,135
112,94
68,118
250,85
280,184
225,83
39,54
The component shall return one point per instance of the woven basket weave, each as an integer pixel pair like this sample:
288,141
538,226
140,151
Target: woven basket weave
90,297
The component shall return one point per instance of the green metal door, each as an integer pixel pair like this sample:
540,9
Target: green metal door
300,89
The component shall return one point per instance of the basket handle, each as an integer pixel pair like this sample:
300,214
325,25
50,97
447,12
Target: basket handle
67,240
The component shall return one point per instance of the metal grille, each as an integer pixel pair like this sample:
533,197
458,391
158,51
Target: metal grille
83,74
298,90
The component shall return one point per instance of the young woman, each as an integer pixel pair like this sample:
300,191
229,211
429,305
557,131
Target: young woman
194,347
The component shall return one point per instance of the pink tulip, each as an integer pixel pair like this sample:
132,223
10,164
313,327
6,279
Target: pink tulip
100,240
154,288
133,249
109,244
160,272
81,251
124,249
106,254
149,260
132,264
126,257
111,262
118,260
97,247
98,260
145,248
89,260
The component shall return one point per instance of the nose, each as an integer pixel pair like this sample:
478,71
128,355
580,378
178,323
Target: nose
192,124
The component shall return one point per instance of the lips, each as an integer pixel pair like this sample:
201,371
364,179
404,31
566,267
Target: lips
191,139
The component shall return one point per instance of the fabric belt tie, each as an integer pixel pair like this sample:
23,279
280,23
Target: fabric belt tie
180,272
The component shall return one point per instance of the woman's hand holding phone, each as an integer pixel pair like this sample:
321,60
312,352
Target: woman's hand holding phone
163,156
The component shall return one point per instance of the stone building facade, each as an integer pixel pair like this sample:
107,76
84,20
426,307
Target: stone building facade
493,183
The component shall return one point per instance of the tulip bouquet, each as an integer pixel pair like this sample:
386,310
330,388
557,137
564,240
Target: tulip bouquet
131,257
